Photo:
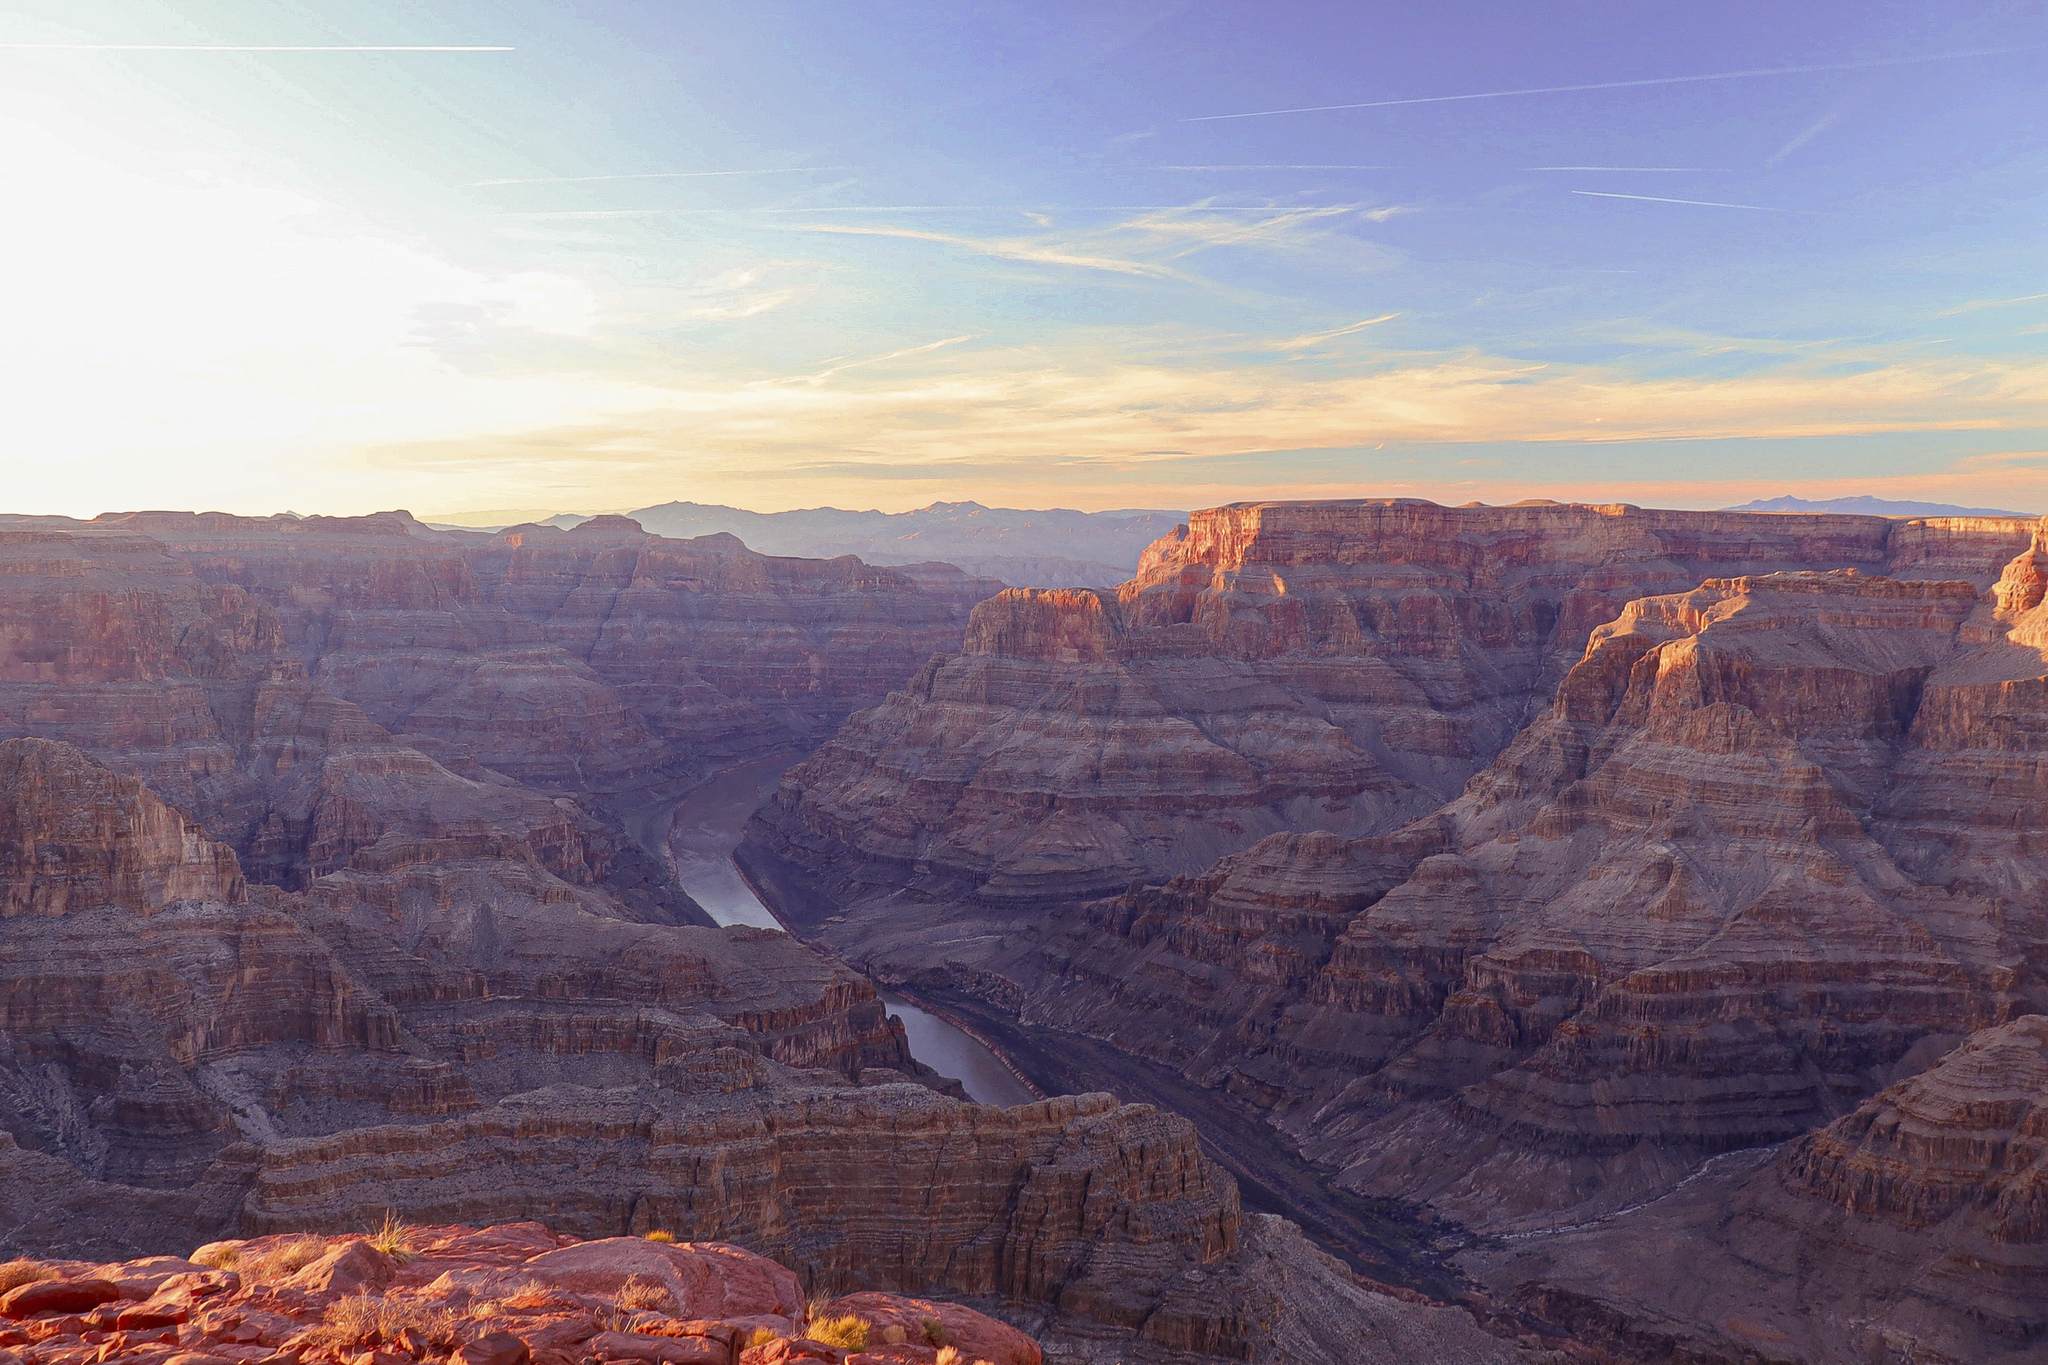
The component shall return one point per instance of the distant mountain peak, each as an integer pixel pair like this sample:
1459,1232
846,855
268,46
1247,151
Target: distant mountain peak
1865,505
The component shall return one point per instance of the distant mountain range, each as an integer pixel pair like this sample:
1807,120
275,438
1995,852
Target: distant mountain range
1054,548
1866,505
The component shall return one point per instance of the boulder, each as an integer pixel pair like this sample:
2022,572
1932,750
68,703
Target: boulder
493,1348
57,1296
348,1269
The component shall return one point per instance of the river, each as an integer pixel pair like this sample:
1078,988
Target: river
702,837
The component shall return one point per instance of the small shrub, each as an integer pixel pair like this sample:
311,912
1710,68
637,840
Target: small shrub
394,1239
849,1332
15,1274
661,1235
950,1355
644,1296
934,1332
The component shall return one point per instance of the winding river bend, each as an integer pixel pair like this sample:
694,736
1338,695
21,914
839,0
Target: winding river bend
702,837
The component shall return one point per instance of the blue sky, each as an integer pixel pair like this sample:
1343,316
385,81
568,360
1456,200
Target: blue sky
784,254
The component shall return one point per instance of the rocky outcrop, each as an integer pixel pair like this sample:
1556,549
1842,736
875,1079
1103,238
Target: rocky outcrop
1911,1228
521,1292
511,1293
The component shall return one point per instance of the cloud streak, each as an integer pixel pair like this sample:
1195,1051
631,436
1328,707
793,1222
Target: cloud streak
651,175
1625,85
1700,203
246,47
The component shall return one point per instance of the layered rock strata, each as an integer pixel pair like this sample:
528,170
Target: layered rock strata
1279,666
1768,848
1915,1227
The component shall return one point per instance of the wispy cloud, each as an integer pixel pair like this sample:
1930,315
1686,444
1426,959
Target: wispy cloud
1695,170
1700,203
1008,248
651,175
246,47
822,375
1988,303
1626,85
1308,339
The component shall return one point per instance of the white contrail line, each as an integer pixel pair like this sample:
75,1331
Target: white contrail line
1271,167
1278,210
1703,203
1624,85
233,47
1700,169
652,175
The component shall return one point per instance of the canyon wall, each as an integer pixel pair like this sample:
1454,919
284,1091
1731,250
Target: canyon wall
1914,1227
1562,849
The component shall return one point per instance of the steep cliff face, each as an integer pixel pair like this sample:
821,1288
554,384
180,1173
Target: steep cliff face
1911,1228
73,836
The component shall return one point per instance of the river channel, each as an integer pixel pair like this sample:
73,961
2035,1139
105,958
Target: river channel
702,837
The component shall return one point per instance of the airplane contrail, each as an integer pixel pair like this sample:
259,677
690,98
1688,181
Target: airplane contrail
1703,203
652,175
234,47
1625,85
1273,167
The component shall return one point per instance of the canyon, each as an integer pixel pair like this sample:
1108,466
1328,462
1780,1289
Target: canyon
1489,933
336,884
1521,864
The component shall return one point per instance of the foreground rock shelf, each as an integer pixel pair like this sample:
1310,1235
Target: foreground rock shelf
502,1295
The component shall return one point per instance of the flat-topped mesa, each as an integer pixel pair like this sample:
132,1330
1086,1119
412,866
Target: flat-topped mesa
1496,542
77,836
396,523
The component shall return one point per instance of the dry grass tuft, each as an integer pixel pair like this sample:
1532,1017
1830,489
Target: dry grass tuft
15,1274
282,1259
661,1235
219,1258
362,1318
760,1336
644,1296
394,1239
849,1332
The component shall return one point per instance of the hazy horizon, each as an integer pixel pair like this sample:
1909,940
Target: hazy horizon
340,257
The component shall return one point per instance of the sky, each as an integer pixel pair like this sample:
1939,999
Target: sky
790,253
